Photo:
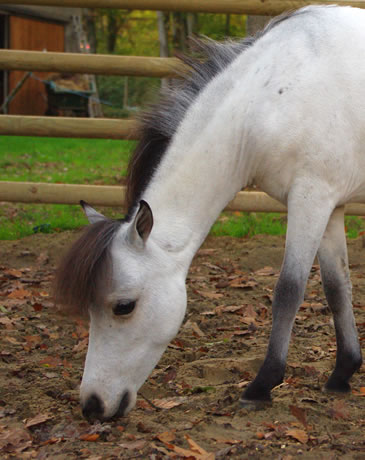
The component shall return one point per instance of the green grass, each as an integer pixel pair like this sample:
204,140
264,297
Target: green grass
23,220
19,220
56,160
242,224
245,224
90,161
72,161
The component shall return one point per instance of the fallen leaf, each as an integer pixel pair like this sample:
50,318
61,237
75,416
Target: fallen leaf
170,375
209,294
339,410
223,283
142,404
7,322
243,384
20,294
90,437
160,449
300,414
142,428
33,339
43,258
166,436
37,420
50,361
197,330
51,441
208,313
133,445
37,306
177,344
82,345
15,440
231,442
195,446
228,309
13,273
266,271
299,435
12,340
185,453
242,283
169,403
50,375
243,333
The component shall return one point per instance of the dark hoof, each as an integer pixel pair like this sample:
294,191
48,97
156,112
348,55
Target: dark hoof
255,404
337,387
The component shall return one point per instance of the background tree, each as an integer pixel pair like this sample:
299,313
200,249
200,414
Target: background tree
145,33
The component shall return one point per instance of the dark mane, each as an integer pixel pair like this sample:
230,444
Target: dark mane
85,271
160,121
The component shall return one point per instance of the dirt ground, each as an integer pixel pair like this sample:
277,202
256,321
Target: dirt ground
188,407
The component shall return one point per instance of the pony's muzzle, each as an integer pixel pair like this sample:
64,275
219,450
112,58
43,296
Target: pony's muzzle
93,409
124,403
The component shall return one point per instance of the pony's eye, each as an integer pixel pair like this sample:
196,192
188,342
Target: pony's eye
124,308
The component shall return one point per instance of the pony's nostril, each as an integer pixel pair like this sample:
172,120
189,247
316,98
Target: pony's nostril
93,408
124,402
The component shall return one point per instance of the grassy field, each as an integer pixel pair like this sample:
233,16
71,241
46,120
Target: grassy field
90,161
73,161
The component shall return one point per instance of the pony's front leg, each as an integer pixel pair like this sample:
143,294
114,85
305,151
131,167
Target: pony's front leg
308,214
336,281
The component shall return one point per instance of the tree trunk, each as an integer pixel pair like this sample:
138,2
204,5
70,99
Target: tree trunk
179,31
256,23
112,32
228,24
90,28
191,22
164,46
125,93
162,34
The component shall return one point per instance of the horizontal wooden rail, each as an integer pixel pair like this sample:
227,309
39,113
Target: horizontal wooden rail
260,7
261,202
113,195
91,63
96,128
33,192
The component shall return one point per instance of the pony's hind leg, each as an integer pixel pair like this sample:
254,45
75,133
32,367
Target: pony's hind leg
308,215
333,261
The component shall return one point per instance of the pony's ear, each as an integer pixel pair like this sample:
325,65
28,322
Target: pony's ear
143,223
92,215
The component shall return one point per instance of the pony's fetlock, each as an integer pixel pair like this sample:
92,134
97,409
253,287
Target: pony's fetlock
337,386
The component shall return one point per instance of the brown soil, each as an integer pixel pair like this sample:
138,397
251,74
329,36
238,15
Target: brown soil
195,388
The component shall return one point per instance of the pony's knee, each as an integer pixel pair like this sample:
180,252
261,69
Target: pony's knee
336,281
337,288
289,292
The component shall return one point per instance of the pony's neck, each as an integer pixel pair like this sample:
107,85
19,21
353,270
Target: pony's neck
202,170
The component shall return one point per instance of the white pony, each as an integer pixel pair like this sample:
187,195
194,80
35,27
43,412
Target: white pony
284,110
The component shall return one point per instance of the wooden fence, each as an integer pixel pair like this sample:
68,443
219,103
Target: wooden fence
112,195
126,66
257,7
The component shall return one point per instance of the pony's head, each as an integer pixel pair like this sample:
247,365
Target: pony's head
135,295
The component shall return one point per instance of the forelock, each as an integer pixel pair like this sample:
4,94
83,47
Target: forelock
85,272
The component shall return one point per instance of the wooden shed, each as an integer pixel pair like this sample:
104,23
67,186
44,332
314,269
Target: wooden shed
39,29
